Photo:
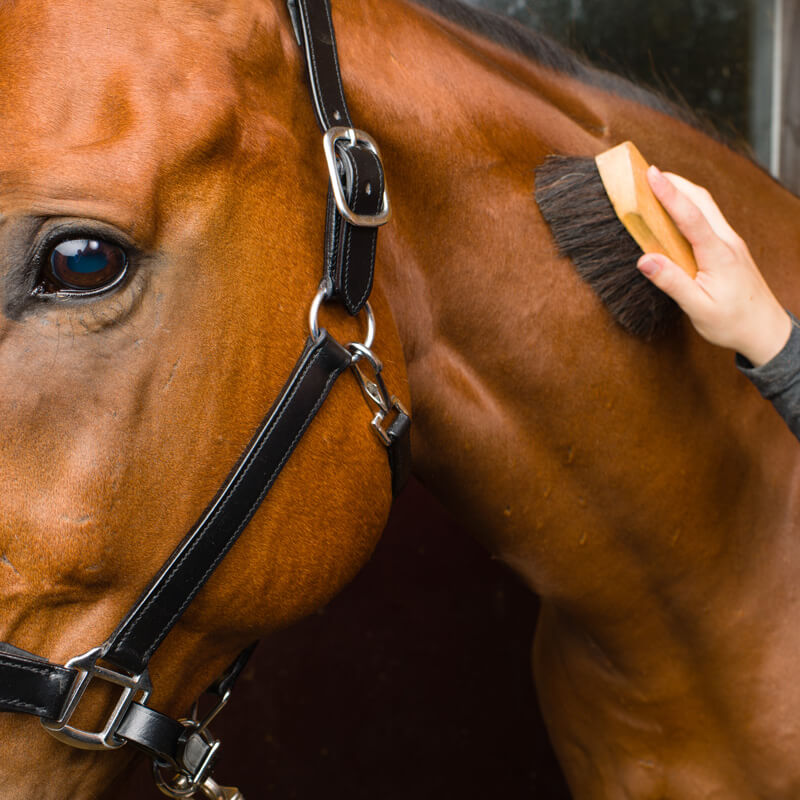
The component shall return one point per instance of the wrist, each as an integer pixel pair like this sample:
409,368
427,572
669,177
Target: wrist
768,338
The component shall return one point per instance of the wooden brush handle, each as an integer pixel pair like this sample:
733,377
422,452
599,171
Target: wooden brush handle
623,171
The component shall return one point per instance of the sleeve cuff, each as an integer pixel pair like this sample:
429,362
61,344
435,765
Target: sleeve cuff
780,372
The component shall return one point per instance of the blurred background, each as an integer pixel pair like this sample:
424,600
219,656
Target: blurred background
415,681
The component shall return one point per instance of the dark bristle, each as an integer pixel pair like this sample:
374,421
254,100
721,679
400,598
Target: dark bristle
574,203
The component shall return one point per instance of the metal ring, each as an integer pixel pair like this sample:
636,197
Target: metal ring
370,337
323,294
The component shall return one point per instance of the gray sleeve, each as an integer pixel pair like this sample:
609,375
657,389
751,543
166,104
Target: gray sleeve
779,379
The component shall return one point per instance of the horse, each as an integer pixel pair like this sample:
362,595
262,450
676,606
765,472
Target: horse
641,488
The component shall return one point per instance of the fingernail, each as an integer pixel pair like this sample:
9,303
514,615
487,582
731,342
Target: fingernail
655,172
649,266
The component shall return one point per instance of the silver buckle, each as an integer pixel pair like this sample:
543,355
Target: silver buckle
329,146
134,687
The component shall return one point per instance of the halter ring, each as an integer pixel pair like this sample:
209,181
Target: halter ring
323,295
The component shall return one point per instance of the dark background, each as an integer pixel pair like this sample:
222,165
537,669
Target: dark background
413,683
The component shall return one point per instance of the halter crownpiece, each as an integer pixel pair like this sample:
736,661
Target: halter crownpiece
357,205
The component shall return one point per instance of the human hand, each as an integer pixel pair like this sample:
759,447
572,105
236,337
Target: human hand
728,302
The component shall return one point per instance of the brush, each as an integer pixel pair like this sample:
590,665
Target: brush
603,216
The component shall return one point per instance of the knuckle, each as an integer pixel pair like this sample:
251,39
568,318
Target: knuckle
741,245
736,247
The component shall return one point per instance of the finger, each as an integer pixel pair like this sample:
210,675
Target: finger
687,216
673,281
706,203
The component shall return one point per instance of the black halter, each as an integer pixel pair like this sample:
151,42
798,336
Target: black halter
357,205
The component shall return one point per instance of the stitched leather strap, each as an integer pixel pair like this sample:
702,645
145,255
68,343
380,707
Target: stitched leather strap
30,684
158,735
193,561
314,30
349,249
34,686
350,262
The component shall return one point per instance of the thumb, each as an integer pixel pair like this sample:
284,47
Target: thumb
673,281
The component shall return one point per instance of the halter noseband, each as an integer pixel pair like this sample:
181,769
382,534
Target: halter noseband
357,205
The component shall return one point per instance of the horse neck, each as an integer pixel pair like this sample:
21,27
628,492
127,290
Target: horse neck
535,416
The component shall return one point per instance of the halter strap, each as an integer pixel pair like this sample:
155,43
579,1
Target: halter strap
357,200
30,684
195,558
313,29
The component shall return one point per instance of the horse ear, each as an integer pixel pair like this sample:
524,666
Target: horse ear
574,203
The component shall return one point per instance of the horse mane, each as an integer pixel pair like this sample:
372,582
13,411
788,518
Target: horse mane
539,47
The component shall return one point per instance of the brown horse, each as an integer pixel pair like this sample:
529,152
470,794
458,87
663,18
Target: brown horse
642,489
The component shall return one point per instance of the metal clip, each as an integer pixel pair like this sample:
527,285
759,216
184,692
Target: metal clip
198,756
182,787
199,752
213,791
375,391
212,715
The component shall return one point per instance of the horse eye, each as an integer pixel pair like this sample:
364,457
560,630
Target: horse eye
83,266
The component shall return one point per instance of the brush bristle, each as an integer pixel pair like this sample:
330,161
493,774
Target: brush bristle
574,203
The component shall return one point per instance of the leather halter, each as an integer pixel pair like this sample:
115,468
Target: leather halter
357,205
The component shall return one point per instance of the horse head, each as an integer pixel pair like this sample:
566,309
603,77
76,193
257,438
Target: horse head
161,213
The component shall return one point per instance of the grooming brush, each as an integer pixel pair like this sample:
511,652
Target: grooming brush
603,216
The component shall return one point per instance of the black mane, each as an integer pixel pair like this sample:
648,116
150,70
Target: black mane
541,48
